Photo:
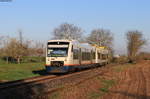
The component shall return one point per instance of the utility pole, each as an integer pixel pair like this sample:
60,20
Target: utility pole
20,37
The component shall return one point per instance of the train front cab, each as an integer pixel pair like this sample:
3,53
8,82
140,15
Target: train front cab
58,58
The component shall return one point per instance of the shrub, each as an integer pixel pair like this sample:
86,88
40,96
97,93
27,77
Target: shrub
120,59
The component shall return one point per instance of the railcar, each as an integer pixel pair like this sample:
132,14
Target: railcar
69,55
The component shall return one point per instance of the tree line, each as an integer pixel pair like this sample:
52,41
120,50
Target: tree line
102,37
13,49
19,47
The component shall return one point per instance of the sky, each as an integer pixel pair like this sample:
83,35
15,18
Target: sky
38,18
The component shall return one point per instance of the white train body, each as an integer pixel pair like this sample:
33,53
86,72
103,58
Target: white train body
70,55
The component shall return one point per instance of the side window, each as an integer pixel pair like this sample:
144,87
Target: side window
72,49
86,55
89,55
75,53
107,56
103,56
83,55
99,55
93,54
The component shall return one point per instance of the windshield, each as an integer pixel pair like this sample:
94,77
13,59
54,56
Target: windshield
57,52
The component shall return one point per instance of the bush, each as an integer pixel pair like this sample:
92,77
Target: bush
143,56
8,59
33,59
120,60
25,59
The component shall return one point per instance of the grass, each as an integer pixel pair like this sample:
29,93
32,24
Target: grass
95,95
123,67
11,72
54,95
106,85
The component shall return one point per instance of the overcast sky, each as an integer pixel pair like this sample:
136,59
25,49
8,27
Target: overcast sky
37,18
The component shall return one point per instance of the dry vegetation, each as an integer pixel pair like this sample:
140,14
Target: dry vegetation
133,83
14,49
94,88
126,81
68,31
135,43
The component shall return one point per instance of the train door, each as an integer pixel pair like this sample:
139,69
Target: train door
72,54
80,56
91,56
96,56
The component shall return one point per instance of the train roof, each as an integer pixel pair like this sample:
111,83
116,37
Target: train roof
87,46
63,40
82,45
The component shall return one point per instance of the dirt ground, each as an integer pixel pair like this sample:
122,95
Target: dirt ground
134,83
122,82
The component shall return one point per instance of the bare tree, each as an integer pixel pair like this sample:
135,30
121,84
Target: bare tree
100,37
135,42
67,31
14,47
15,50
3,42
39,49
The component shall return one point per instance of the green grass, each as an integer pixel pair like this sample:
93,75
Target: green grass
18,71
106,85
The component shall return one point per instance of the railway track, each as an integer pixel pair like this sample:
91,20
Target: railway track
17,83
33,88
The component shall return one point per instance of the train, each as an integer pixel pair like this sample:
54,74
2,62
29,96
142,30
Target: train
63,56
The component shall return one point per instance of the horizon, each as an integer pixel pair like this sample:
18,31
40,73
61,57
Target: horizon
38,19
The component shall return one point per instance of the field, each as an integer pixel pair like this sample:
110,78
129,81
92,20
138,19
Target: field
126,81
11,71
134,83
120,81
